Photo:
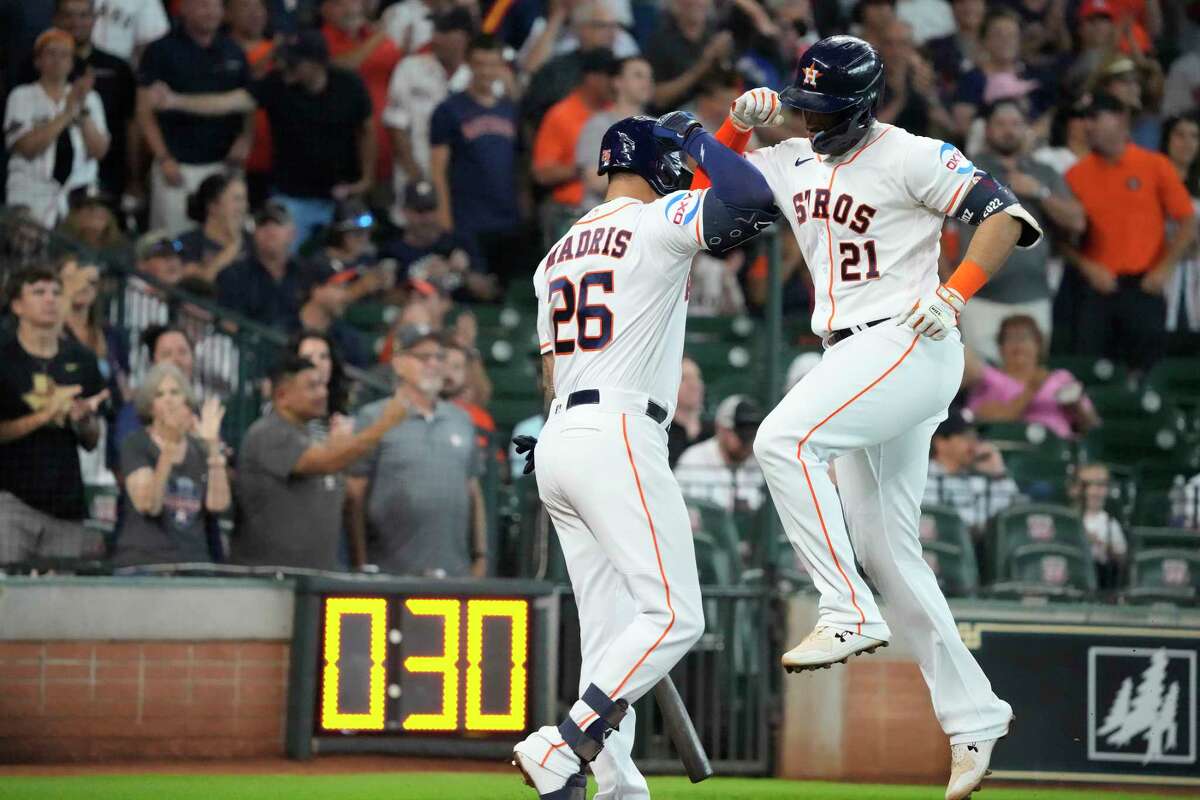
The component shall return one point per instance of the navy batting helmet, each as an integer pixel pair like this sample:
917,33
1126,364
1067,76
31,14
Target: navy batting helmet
631,146
843,76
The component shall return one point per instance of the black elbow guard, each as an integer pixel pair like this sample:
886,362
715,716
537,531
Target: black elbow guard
726,226
988,196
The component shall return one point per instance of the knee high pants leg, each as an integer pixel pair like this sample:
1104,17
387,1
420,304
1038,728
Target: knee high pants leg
626,537
881,487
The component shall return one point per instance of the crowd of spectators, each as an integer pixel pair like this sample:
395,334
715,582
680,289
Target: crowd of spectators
285,161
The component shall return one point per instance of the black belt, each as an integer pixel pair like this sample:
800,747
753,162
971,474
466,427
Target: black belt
846,333
587,397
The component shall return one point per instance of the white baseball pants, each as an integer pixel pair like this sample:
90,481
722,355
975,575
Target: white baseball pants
873,403
603,476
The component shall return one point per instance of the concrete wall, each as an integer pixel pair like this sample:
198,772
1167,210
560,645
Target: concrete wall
103,669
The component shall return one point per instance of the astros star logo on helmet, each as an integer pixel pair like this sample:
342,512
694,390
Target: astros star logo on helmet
810,76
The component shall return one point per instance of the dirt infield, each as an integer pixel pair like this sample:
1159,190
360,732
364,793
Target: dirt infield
325,765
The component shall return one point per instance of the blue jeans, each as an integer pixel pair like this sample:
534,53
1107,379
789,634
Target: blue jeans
308,214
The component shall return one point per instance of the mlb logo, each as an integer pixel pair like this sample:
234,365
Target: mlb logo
1054,570
605,157
1040,527
927,530
1142,705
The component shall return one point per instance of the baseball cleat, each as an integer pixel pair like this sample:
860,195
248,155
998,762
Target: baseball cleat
827,646
968,767
550,767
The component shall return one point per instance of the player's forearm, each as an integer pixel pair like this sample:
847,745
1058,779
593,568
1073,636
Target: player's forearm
730,136
735,181
993,242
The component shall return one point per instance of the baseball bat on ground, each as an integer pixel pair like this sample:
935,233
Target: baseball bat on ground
682,731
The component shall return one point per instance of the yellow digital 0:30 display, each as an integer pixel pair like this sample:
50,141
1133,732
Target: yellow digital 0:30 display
424,665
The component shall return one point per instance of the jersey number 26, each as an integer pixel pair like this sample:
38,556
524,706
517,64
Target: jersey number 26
582,314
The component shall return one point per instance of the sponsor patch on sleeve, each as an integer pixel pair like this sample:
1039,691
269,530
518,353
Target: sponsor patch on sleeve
953,160
681,208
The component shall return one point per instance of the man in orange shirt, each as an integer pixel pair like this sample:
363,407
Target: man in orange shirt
554,164
1128,194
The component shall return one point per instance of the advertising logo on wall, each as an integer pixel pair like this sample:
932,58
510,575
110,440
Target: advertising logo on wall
1142,705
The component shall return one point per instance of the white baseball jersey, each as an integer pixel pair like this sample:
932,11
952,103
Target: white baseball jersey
418,84
612,296
868,222
123,25
31,180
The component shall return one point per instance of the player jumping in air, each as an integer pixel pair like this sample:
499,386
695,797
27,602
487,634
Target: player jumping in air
866,202
612,301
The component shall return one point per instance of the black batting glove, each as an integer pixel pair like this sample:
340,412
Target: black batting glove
525,446
676,127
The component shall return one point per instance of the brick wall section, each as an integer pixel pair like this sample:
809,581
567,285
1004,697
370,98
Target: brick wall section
97,701
889,731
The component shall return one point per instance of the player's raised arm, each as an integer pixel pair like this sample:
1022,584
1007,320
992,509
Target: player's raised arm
756,108
740,204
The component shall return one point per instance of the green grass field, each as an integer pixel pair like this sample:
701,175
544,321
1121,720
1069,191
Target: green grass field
472,786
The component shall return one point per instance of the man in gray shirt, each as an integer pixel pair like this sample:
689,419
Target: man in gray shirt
290,493
413,495
1022,286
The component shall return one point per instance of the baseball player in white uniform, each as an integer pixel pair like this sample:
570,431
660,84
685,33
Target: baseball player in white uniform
612,301
866,202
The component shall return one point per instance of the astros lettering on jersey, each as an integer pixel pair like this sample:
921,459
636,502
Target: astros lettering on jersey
868,223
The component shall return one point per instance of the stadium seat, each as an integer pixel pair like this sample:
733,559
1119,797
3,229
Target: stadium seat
1117,401
955,568
1048,570
509,411
943,525
1177,378
1040,473
1129,440
718,523
1153,538
781,566
715,358
1010,435
1165,575
1091,371
1155,478
728,382
726,329
1034,524
517,378
712,561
